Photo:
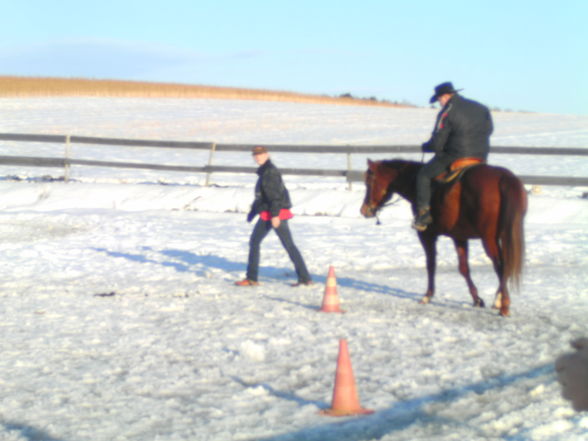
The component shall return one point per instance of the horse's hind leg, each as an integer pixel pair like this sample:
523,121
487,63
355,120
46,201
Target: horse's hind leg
461,247
502,300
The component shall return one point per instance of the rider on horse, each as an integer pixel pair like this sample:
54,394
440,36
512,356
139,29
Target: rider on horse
462,130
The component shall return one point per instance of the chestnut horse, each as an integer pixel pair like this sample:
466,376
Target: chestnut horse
488,203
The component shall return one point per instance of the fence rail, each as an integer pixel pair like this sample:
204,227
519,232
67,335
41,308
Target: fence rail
349,174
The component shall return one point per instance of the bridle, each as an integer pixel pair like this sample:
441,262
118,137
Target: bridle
375,208
387,204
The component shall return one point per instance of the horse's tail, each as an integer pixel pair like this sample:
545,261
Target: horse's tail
511,231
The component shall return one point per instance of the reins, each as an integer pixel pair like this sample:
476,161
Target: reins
387,204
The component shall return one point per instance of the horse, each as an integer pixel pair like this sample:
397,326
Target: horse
486,202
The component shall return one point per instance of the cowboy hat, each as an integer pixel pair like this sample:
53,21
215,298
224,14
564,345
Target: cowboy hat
442,89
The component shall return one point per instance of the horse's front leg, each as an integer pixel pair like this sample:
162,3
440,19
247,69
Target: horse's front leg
429,243
461,247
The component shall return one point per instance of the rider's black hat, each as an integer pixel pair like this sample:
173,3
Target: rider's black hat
442,89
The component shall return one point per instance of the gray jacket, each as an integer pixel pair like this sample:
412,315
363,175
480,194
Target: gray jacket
462,129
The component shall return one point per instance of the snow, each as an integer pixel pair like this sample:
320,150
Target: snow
120,320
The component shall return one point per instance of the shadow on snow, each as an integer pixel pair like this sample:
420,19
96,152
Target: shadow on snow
400,415
185,261
189,262
27,432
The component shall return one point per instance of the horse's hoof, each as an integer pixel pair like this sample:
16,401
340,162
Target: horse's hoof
479,304
504,313
498,302
425,300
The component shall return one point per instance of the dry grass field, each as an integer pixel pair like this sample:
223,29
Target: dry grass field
12,86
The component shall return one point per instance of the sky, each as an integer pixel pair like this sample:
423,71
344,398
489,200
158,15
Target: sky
526,55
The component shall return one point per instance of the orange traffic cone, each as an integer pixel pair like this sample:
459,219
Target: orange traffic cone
331,298
345,398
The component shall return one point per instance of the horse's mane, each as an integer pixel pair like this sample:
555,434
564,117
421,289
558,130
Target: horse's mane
403,166
392,163
402,175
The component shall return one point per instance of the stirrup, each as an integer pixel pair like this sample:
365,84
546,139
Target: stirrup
422,220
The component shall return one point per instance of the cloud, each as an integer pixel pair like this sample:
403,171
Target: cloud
107,59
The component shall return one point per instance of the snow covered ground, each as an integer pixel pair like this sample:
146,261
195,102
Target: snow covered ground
120,321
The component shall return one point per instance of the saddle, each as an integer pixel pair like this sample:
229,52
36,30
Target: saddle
457,168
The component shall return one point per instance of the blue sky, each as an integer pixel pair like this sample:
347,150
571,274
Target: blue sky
518,55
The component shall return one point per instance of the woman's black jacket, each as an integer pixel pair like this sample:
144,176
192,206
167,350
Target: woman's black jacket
270,192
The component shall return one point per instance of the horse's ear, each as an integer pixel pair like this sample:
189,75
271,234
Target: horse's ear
369,162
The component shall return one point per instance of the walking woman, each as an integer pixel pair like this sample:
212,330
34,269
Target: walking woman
272,203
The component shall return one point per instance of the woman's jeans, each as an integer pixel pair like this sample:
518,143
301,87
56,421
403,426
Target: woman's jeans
283,231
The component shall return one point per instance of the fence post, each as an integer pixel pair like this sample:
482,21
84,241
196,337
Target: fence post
210,158
66,164
349,184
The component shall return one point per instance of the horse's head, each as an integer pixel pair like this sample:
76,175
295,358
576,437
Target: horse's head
377,189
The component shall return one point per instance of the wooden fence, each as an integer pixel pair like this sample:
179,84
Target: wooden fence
350,175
